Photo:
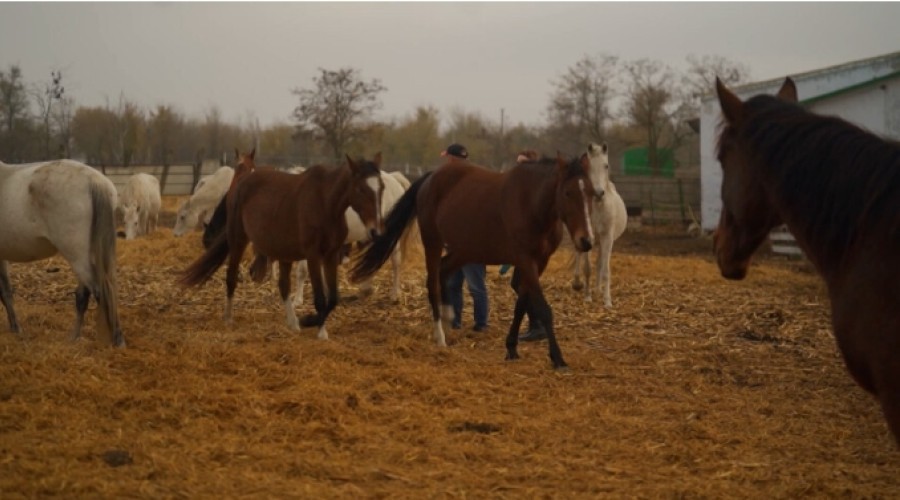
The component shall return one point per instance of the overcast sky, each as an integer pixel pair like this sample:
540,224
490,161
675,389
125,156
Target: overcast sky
479,57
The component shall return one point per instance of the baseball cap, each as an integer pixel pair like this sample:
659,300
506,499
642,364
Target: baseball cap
457,150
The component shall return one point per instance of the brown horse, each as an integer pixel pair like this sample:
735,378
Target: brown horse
244,165
837,187
292,217
478,215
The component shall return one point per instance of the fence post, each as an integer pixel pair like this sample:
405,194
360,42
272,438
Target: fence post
652,209
681,201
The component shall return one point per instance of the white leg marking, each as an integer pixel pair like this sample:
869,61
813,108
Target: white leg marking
439,334
323,333
290,315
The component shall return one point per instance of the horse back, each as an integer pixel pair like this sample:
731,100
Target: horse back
46,205
280,213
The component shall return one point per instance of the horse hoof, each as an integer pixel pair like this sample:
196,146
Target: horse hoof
512,356
563,369
577,286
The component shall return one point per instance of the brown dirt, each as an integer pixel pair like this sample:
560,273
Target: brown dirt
690,386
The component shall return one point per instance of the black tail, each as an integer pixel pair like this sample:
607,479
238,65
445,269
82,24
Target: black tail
377,251
203,268
216,224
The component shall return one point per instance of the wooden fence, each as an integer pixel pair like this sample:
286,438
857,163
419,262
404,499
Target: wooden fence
179,181
658,200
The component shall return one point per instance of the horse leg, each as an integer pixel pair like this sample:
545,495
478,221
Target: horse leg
300,272
396,262
512,338
6,297
451,277
331,289
231,278
434,284
82,297
531,287
576,271
284,287
586,259
314,265
603,272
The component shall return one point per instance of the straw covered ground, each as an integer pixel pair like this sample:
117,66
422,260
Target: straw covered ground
690,386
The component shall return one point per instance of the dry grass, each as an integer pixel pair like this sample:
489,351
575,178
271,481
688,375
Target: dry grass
691,386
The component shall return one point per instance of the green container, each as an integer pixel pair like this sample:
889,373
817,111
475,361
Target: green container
635,162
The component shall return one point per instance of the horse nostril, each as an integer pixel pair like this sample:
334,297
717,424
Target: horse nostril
585,244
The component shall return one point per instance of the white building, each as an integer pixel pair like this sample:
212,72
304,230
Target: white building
865,92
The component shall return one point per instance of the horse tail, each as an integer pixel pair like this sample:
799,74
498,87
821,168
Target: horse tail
216,226
380,248
204,267
103,262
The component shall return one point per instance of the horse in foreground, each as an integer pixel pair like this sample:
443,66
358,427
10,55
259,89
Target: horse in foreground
291,217
200,206
488,217
608,218
140,202
69,208
837,187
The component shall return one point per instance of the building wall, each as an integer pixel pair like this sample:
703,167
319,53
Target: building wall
876,107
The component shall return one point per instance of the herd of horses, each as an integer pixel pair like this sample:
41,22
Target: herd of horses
836,187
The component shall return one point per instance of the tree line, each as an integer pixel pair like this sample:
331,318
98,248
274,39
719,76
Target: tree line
631,103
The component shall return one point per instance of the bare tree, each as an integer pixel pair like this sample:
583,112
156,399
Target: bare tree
700,77
130,130
651,106
164,126
336,106
62,119
44,96
13,113
579,107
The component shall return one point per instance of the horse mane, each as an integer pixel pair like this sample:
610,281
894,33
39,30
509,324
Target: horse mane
845,179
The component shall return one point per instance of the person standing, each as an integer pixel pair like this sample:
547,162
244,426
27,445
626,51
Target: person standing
473,273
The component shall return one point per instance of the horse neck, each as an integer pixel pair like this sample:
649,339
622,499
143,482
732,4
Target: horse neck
337,192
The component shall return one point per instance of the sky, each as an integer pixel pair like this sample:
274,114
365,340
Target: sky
245,58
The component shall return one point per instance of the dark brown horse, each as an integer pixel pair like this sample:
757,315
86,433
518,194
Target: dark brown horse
244,164
478,215
837,187
292,217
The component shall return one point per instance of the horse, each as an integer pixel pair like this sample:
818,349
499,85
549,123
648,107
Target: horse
395,184
291,217
63,207
837,187
207,194
609,219
479,215
140,202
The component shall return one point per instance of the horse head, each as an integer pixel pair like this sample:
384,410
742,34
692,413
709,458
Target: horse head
599,157
367,192
244,164
747,214
185,219
574,197
131,218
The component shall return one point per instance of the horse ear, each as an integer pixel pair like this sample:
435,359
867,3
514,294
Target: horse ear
604,148
351,164
237,155
377,159
788,91
586,163
732,107
252,153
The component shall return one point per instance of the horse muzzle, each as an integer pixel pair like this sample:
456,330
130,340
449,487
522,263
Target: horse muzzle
584,244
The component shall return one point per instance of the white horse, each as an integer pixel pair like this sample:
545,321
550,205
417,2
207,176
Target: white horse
207,194
140,204
608,219
395,184
69,208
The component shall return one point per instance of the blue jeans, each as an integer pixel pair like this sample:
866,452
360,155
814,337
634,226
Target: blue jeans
473,275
